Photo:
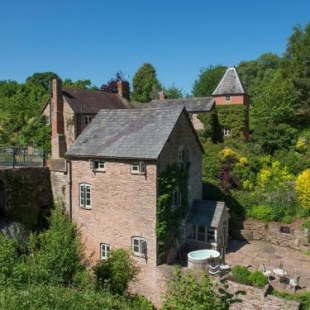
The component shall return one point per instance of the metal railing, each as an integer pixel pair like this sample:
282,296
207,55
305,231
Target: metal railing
21,157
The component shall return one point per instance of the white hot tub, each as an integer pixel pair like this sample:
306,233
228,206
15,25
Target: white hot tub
200,259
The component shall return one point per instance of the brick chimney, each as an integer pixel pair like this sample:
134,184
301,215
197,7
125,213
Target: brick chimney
123,89
57,119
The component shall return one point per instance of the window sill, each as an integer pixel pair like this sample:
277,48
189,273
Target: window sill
85,208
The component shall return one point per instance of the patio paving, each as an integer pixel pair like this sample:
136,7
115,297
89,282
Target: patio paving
254,254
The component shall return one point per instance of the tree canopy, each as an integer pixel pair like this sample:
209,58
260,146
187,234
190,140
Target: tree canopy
145,84
207,81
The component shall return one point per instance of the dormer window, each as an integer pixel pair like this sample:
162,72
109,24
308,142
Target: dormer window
138,167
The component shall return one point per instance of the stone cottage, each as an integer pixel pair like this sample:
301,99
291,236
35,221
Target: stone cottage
70,110
113,170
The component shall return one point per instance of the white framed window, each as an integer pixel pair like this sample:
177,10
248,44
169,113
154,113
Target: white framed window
226,131
85,196
139,246
202,233
104,250
227,98
97,164
87,119
183,154
176,199
138,167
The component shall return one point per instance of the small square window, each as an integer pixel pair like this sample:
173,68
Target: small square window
104,250
226,131
139,246
227,98
97,164
138,167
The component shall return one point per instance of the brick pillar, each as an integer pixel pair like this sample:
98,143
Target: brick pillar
123,89
162,95
57,119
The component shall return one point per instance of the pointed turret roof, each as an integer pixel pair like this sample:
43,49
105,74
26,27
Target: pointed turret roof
230,84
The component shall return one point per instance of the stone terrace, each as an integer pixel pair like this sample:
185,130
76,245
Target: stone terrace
255,253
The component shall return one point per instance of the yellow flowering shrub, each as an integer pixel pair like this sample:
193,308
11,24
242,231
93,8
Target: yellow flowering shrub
273,176
227,153
247,185
301,145
302,187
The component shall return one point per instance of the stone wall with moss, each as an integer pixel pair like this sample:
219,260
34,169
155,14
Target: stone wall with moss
25,195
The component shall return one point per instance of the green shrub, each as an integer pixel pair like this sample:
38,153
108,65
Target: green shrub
287,219
258,279
306,224
241,275
116,273
261,212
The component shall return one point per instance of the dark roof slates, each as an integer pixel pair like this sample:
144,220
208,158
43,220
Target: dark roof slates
230,84
134,133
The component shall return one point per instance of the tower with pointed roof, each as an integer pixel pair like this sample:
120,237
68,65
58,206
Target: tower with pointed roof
230,91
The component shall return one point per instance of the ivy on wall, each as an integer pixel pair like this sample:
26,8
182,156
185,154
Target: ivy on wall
232,116
169,221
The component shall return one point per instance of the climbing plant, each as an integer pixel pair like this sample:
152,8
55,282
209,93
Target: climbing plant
233,116
169,220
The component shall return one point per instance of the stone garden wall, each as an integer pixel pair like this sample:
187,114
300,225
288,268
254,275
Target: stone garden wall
286,235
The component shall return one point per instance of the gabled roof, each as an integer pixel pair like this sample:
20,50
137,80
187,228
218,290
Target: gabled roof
194,105
206,213
230,84
134,133
91,101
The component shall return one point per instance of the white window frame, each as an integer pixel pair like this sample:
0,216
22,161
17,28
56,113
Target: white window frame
176,199
138,167
85,195
226,131
97,165
227,97
87,119
104,250
201,233
139,246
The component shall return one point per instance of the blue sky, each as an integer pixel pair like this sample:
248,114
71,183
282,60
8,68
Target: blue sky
95,39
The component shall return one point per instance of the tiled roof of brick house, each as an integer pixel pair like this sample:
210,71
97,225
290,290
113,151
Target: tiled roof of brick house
91,101
134,133
192,105
230,84
206,212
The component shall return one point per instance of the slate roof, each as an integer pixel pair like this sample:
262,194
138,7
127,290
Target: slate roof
206,212
230,84
91,101
134,133
194,105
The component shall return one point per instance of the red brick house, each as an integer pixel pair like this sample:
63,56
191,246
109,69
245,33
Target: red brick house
69,111
113,170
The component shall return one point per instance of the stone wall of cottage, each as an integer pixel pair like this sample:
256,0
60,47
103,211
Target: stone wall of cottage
69,125
182,135
286,235
123,205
